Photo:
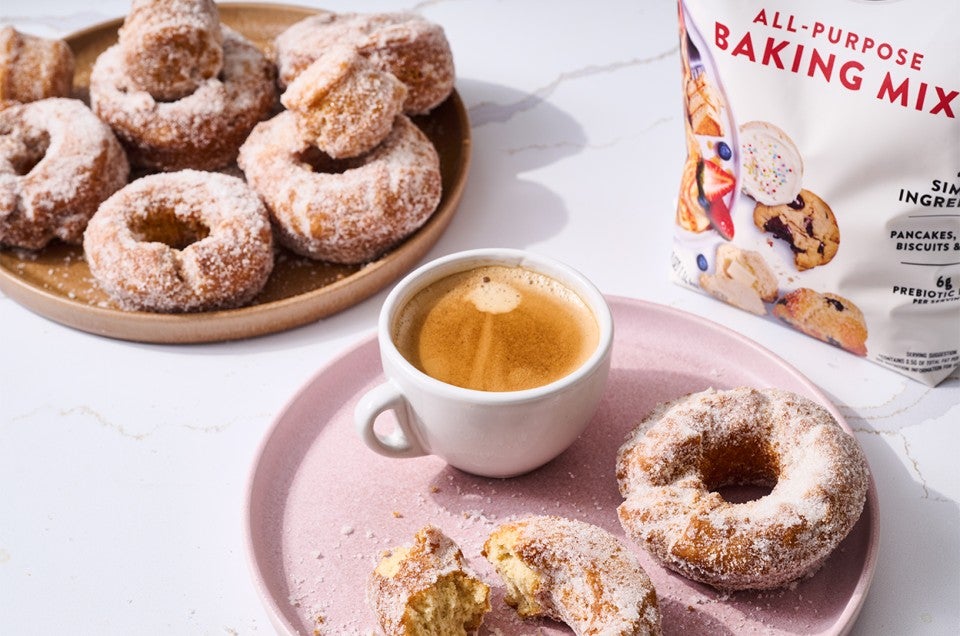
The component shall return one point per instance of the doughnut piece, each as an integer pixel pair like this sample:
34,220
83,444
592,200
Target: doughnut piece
170,47
673,463
343,212
203,130
824,316
407,45
181,241
33,68
427,589
573,572
58,162
344,105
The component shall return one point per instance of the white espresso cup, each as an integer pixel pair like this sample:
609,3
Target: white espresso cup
492,433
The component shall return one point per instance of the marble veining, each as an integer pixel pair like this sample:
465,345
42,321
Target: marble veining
126,465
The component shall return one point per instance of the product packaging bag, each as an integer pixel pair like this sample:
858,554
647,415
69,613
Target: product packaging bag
822,180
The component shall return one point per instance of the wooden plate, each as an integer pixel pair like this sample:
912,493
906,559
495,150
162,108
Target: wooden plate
56,282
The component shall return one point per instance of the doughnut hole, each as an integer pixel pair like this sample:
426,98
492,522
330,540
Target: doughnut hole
321,162
22,152
163,225
741,469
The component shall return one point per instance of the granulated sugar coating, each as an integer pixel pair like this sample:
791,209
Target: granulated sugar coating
351,216
33,67
410,47
574,572
676,459
344,104
204,129
181,241
58,162
427,588
169,47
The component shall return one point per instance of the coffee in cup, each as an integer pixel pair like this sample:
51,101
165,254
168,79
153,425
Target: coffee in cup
496,328
494,360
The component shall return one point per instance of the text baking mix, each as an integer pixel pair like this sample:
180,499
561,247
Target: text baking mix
822,181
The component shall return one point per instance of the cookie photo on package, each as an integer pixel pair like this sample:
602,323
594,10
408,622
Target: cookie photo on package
821,187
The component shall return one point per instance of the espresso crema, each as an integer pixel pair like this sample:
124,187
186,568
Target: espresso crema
496,328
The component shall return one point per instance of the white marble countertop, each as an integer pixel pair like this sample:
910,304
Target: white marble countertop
123,466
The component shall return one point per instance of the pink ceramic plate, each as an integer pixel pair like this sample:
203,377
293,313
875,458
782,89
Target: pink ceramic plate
321,506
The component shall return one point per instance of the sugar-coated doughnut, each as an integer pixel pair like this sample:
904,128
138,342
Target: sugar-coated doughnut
407,45
427,588
574,572
344,105
58,162
170,47
673,463
300,44
344,212
417,52
181,241
202,130
33,68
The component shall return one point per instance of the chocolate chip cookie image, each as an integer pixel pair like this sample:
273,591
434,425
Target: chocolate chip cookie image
807,224
827,317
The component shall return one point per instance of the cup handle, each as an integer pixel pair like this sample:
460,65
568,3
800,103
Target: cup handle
403,441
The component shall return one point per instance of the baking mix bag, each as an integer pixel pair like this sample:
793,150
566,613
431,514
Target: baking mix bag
822,180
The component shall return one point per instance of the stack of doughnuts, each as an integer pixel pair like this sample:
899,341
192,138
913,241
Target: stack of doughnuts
179,89
345,173
413,49
345,106
338,174
170,47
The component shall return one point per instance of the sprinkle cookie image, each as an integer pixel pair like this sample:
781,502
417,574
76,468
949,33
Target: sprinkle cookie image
770,164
